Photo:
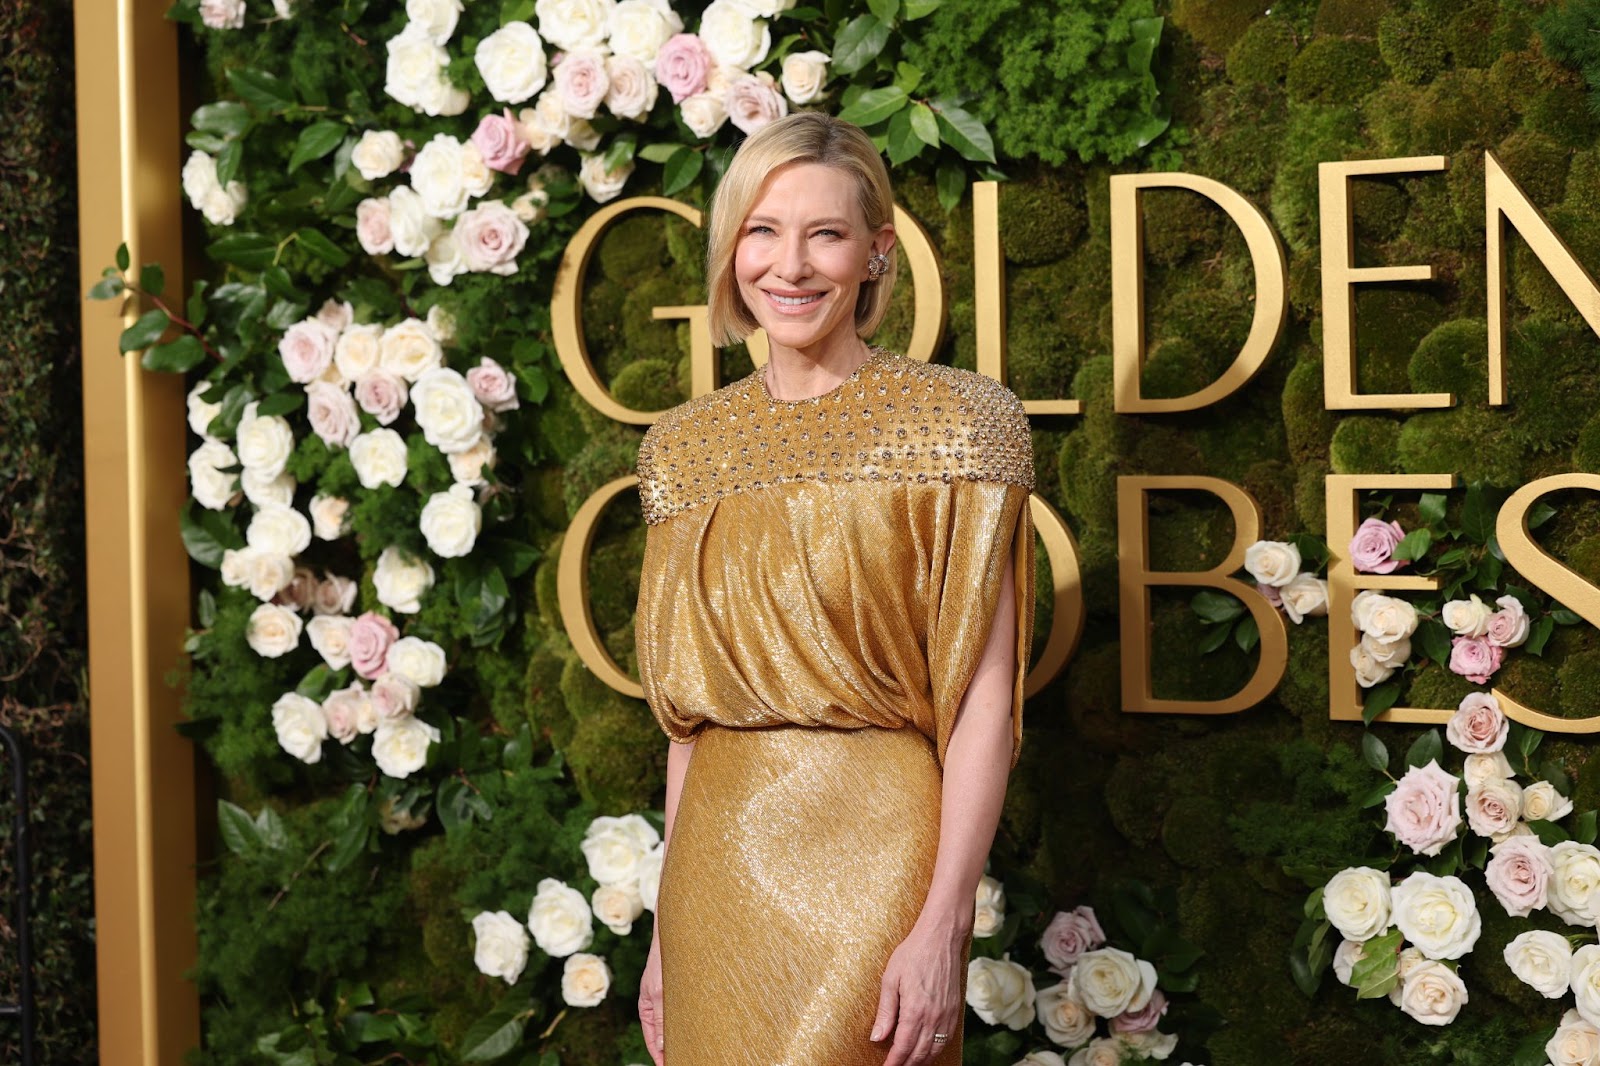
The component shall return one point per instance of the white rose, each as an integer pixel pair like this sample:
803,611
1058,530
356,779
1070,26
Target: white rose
1369,671
328,515
300,726
1541,802
279,530
581,82
273,630
704,113
400,745
1272,562
601,184
544,125
265,443
436,18
199,177
222,14
200,412
437,176
222,206
1101,1051
640,27
330,636
617,906
1066,1021
1574,894
1383,618
1109,981
263,573
732,36
1467,618
560,919
379,458
378,154
512,63
395,697
1149,1044
614,847
1494,807
500,945
990,907
400,583
332,413
333,595
263,491
411,226
467,467
1437,914
1586,982
357,350
805,75
1001,992
375,225
445,261
1345,957
449,414
490,237
585,980
1480,768
574,24
650,876
1509,626
1542,960
421,661
630,89
765,9
1041,1058
1304,596
210,486
1576,1043
410,350
1357,902
1433,994
412,72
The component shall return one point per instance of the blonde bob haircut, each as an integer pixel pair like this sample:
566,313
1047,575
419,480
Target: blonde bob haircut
803,137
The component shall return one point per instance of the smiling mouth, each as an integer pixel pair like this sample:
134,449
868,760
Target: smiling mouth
794,301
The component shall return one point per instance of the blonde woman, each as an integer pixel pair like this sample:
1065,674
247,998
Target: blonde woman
833,624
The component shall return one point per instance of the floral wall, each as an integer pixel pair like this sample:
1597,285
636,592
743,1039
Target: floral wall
440,831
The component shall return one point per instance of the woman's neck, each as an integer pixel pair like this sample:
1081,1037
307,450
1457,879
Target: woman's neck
801,373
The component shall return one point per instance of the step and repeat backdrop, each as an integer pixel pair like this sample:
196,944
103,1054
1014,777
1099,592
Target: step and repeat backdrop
1298,303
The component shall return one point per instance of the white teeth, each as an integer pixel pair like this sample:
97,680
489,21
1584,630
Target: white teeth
795,301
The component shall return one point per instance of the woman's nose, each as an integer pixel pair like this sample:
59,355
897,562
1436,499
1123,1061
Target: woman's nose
793,263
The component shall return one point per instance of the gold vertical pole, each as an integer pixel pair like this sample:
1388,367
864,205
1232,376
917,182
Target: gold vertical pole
129,156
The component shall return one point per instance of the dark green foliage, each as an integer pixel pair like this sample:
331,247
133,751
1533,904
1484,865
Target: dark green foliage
1335,70
1262,54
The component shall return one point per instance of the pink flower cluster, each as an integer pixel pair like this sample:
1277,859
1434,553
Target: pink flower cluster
1477,654
1372,548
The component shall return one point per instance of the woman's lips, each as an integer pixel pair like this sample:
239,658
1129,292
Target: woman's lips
793,303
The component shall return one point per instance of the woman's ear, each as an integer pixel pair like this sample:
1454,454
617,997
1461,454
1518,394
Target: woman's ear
884,240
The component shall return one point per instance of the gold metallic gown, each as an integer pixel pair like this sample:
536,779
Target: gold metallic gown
819,579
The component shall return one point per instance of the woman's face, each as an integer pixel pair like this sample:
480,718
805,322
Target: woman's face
802,255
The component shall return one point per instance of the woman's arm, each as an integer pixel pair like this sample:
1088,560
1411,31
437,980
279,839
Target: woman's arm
677,765
650,997
921,992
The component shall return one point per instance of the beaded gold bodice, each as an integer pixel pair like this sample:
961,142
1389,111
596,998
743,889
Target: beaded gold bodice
894,419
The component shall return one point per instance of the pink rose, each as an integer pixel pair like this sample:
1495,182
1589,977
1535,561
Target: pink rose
1144,1019
300,590
395,696
1372,545
499,140
1070,934
753,101
222,14
1493,808
1508,627
372,226
381,394
1424,809
581,83
307,349
332,413
1478,727
370,637
1475,659
494,387
490,237
333,595
682,66
1518,874
343,709
1273,595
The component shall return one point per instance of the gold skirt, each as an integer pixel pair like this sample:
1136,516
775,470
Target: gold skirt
800,859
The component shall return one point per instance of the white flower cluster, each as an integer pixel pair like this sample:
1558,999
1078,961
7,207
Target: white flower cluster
624,858
1386,625
220,205
1275,565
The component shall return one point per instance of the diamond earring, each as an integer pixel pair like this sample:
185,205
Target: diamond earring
877,266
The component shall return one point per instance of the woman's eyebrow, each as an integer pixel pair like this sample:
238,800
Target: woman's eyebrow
814,222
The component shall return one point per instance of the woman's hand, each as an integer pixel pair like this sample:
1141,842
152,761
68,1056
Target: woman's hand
921,994
650,1014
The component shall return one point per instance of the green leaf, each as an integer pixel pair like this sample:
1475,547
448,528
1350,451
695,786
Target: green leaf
314,242
681,170
1549,833
107,289
316,141
251,251
145,332
516,11
951,180
1433,637
965,134
1216,636
228,160
238,829
1530,1051
1246,634
904,144
274,837
1376,794
1379,968
884,9
175,357
1379,698
315,684
152,280
495,1034
1477,515
1146,34
1213,606
279,283
281,403
1552,771
348,845
925,124
858,44
1539,514
1584,826
226,118
659,151
916,9
1565,617
1413,545
207,534
1429,747
458,804
875,105
1529,742
908,77
263,91
1432,507
620,150
1374,752
1313,550
122,256
1537,636
365,1027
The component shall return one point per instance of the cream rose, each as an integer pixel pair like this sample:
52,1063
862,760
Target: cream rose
704,113
1369,669
1345,957
1466,618
420,661
585,980
490,237
1476,769
394,697
211,487
349,713
444,259
601,184
805,75
1384,618
263,443
1272,562
273,630
1494,807
400,583
435,18
559,919
467,467
400,745
1510,625
1001,992
574,24
1101,1051
990,907
409,350
330,636
374,226
1542,960
640,27
1041,1058
1433,994
414,73
263,573
333,595
732,36
379,458
1304,596
1574,894
1518,873
614,847
328,514
1437,914
200,412
500,945
753,101
1576,1042
1541,802
378,154
1356,901
411,226
511,60
222,14
279,531
221,207
358,350
1586,982
264,491
617,906
332,413
544,125
437,175
300,726
1109,981
1066,1021
449,414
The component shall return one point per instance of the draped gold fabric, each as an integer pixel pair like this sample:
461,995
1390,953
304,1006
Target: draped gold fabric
818,585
